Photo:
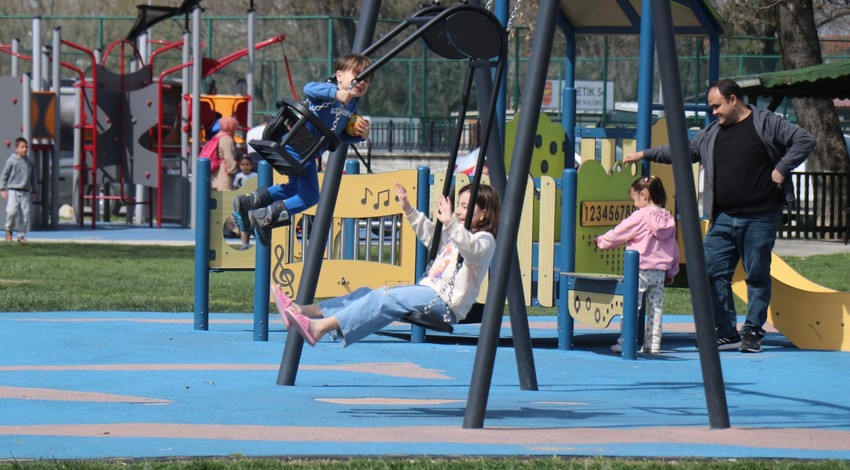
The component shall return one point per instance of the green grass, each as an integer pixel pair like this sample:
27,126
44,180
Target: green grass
83,277
545,463
40,277
820,269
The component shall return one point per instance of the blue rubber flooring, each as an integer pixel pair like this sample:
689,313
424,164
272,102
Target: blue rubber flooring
86,385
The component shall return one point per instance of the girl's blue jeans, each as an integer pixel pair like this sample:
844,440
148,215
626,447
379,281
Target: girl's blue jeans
366,311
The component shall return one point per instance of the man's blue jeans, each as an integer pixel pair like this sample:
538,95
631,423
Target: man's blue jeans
750,239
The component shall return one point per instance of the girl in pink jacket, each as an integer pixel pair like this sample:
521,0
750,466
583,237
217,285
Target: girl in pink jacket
651,231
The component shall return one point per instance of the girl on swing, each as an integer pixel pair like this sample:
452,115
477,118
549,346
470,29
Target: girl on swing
335,104
441,292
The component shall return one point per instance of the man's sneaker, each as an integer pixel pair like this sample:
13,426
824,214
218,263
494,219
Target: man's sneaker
728,343
751,343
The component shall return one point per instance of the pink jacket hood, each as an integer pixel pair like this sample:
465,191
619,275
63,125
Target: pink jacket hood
660,222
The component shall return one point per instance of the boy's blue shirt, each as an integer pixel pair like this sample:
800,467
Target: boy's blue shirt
320,93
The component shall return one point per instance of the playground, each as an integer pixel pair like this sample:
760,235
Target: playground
148,384
145,385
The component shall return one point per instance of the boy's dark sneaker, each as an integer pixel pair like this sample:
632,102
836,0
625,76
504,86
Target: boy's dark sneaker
751,343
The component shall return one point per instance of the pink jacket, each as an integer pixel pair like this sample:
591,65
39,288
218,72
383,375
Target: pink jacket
651,231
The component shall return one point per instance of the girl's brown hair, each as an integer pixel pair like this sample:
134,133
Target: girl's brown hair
488,201
653,185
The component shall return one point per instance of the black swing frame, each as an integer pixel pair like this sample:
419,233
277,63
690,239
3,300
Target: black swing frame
461,31
457,32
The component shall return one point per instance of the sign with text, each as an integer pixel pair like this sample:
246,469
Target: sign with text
590,95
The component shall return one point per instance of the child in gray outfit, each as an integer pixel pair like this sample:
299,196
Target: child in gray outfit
18,187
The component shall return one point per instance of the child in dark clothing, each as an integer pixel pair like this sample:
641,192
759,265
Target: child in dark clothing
335,104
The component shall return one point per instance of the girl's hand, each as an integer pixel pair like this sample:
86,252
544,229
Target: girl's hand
401,195
444,210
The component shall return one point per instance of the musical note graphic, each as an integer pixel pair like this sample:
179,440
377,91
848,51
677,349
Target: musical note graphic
378,202
365,196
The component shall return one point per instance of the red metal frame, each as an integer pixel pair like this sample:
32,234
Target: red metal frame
209,67
84,126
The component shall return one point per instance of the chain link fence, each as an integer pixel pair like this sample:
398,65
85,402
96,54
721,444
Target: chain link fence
416,83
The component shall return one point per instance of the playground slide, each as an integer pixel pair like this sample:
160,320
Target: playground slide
809,315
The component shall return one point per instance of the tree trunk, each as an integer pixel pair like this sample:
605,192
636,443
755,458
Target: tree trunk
800,45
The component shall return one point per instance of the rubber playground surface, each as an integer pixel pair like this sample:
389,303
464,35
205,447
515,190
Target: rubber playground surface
86,385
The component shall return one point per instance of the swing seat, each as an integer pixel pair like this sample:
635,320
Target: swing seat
429,322
288,128
466,31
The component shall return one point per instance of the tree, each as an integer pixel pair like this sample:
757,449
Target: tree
793,23
800,46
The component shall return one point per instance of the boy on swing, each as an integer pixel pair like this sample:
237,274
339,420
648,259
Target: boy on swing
335,103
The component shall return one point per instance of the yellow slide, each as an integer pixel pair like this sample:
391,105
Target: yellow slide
809,315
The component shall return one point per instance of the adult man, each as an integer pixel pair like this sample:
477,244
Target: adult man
747,154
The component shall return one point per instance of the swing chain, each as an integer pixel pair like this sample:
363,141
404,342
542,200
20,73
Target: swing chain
327,104
448,286
324,105
513,13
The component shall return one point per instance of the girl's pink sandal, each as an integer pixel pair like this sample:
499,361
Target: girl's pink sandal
282,302
302,324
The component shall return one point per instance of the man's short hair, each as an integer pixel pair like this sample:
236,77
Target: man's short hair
728,87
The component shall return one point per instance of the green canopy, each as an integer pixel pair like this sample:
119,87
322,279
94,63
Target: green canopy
830,80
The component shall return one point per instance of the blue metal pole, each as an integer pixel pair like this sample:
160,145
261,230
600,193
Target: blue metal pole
568,99
349,226
713,66
501,10
202,245
262,267
631,262
423,204
645,82
566,323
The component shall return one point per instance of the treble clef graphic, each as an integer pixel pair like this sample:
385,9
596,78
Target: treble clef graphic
282,275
